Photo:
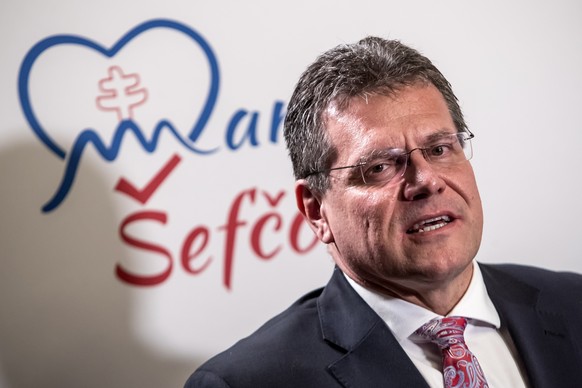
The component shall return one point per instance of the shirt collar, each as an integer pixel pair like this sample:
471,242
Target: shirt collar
403,318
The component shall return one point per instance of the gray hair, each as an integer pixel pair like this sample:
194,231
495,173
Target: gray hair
371,66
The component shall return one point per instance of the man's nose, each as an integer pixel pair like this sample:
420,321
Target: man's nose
421,178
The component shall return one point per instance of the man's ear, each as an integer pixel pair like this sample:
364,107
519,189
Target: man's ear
310,205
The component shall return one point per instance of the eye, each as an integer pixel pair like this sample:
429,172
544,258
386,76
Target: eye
376,171
440,150
437,150
380,170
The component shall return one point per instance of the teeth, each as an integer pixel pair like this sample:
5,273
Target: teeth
433,227
423,227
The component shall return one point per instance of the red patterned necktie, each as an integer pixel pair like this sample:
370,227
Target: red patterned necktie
460,366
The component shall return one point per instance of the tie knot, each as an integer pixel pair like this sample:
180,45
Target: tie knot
444,332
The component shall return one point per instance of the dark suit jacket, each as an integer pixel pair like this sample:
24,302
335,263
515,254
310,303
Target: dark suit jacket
332,338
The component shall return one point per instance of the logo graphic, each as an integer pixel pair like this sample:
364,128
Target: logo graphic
114,94
120,92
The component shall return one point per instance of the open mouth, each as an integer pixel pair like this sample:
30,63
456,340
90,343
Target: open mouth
429,225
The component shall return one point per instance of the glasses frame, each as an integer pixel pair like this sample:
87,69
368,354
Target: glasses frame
469,134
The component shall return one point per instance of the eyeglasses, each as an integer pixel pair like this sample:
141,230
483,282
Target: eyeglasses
383,166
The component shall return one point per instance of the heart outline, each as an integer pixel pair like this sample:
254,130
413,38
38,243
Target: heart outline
47,43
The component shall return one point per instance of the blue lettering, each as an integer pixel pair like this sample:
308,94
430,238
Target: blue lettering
250,135
277,119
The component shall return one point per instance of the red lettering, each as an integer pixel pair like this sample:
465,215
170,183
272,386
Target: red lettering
231,225
142,280
188,256
194,255
257,232
294,232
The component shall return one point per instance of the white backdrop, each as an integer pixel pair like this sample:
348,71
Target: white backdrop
130,263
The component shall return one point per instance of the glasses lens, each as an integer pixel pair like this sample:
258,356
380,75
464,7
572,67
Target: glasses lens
383,168
465,141
447,150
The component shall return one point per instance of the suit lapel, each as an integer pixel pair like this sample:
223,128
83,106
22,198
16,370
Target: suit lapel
373,356
539,334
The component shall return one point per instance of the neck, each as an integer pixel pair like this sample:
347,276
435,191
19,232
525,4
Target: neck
440,299
439,296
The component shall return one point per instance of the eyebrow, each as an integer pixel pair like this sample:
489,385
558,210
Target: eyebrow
389,151
380,153
437,135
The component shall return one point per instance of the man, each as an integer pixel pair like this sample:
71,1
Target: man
380,151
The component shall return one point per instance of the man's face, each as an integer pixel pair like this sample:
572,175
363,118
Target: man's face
372,230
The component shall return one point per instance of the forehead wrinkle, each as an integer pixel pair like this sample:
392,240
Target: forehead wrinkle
347,127
353,125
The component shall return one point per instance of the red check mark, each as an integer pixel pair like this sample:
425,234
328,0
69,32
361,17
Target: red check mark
273,201
145,194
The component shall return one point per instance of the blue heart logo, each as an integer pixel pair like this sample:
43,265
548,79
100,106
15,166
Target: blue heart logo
89,136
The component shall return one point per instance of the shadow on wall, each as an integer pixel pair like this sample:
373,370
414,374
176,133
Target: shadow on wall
64,318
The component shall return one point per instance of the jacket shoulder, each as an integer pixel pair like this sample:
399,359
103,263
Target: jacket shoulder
288,350
556,289
535,275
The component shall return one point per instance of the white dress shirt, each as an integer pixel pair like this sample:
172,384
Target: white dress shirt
495,351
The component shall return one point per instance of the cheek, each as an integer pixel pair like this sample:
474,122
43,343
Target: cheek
470,193
464,183
362,213
474,200
377,198
478,215
374,212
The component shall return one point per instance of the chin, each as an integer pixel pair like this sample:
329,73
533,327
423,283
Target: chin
444,269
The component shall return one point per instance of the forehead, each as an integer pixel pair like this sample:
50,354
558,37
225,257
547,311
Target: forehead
409,116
